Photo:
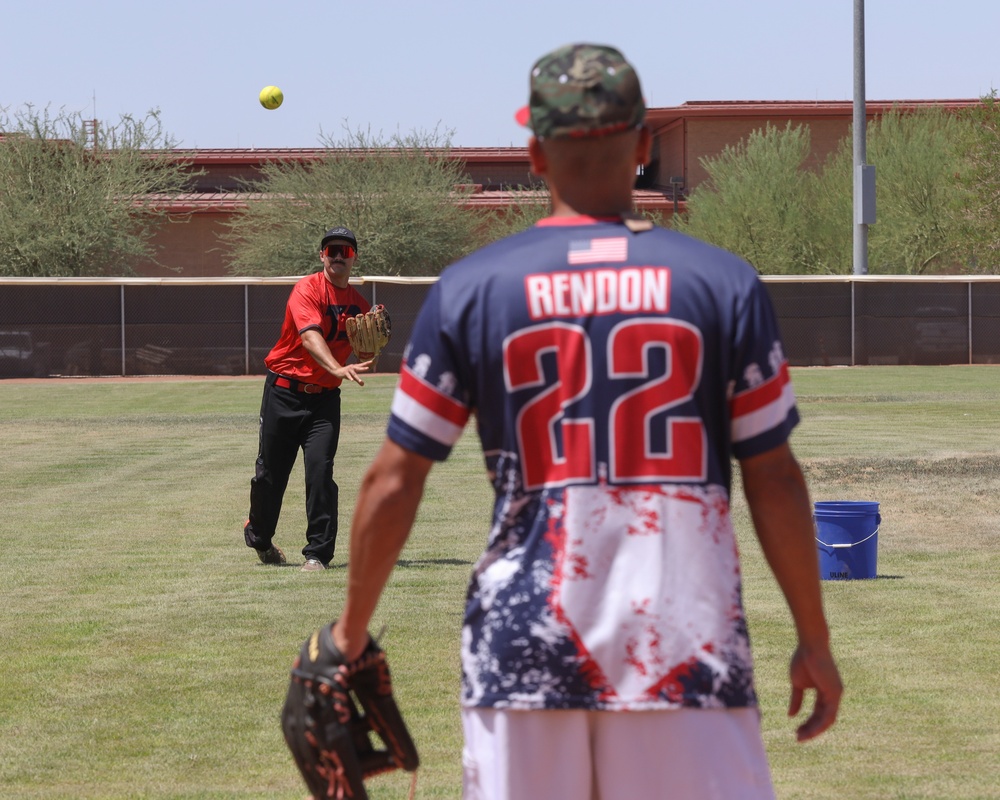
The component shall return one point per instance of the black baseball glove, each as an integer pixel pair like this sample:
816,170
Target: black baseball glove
327,732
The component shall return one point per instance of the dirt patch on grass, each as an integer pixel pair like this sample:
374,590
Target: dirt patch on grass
934,504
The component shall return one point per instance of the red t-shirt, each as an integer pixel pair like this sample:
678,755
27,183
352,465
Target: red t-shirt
315,303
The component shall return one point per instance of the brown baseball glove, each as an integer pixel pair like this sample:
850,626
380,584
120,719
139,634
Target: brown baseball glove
328,734
369,333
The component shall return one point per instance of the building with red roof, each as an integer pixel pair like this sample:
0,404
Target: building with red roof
683,136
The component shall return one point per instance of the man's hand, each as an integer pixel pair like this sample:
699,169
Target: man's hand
316,346
815,669
353,372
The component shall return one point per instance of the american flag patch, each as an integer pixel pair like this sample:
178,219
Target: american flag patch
592,251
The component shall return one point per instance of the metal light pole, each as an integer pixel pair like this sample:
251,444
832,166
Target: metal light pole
864,174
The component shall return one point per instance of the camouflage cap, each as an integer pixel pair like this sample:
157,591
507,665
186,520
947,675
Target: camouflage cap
583,90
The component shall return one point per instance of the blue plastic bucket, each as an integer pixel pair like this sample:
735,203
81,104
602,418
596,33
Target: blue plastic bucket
847,536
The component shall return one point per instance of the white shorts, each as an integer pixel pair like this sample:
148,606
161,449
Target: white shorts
684,754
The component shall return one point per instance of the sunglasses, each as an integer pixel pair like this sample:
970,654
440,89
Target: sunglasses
344,250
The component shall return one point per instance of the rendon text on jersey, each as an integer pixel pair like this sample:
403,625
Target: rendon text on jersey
598,291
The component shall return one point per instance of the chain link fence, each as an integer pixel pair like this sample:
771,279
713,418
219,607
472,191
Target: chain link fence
225,326
852,320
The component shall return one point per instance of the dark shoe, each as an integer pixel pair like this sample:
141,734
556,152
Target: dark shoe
272,555
313,565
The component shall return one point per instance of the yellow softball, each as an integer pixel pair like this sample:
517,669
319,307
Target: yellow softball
271,97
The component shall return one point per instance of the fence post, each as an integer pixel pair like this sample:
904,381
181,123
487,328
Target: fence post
122,305
246,329
854,333
968,316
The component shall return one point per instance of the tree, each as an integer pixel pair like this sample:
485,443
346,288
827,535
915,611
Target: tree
980,182
402,196
761,203
523,207
756,199
76,203
916,158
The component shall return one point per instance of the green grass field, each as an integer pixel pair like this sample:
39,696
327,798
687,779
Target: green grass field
146,650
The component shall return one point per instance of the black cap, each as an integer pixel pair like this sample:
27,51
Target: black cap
339,233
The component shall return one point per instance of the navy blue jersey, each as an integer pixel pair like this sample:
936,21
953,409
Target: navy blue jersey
613,376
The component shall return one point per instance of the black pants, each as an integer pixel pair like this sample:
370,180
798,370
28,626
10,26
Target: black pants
290,420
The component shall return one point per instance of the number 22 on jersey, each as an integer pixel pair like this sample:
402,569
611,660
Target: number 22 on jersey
558,447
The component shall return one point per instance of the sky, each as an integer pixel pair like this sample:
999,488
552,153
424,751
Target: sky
461,68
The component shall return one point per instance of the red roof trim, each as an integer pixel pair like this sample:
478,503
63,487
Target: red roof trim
228,203
657,118
254,156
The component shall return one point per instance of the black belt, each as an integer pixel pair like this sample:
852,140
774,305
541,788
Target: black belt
299,386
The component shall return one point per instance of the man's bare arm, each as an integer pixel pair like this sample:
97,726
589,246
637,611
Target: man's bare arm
782,515
387,506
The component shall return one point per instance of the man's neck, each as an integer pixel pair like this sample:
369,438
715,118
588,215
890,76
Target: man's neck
599,210
575,201
340,283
